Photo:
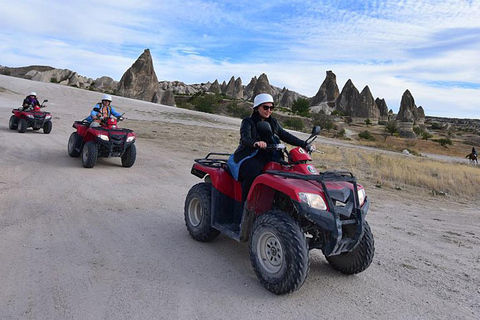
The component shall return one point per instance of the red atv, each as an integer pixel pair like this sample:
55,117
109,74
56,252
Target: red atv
291,208
106,140
34,118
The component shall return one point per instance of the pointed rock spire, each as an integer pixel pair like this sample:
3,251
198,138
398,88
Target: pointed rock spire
140,81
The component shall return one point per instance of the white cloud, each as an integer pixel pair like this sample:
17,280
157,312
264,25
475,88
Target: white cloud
426,46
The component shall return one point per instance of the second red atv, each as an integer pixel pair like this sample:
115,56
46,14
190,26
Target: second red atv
106,140
291,208
34,118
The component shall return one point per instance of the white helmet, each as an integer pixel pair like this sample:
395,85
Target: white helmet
33,94
262,98
107,97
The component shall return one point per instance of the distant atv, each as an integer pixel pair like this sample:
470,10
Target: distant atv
31,118
290,209
104,141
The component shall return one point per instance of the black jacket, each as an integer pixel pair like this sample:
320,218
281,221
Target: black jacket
249,135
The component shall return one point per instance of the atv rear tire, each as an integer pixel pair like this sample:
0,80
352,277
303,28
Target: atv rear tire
198,213
359,259
47,127
129,156
13,122
74,143
89,154
22,125
279,252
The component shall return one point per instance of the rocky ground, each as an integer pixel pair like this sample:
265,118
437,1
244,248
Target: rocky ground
110,242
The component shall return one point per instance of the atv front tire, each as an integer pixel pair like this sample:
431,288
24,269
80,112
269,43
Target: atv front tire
74,143
279,252
13,122
129,156
89,154
198,213
357,260
47,127
22,125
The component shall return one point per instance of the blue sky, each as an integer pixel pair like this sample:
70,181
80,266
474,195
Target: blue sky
429,47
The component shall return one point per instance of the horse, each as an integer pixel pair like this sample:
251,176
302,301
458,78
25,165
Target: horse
472,158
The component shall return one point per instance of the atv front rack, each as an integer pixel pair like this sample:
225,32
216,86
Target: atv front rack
339,244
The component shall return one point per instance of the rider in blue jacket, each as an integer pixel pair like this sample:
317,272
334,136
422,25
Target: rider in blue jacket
102,110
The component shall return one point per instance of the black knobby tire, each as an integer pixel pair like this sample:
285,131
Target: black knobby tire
89,154
129,156
47,127
279,252
198,213
357,260
22,125
13,122
73,146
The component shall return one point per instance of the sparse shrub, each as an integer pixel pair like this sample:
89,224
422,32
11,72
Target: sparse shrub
437,126
294,123
340,134
53,80
237,111
368,122
444,142
323,120
426,135
208,103
301,107
391,127
338,113
366,135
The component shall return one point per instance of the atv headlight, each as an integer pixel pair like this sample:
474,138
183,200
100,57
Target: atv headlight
361,196
48,117
130,139
313,200
103,137
30,116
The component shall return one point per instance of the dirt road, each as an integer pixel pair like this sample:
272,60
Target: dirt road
110,242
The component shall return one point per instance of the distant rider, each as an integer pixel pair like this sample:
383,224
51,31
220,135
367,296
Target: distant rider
474,152
101,111
30,102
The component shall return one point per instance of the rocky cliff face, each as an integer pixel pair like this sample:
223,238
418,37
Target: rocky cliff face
140,81
347,99
409,112
408,115
383,110
326,95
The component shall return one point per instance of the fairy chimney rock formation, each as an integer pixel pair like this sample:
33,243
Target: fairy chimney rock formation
408,115
365,107
328,91
383,109
215,87
140,81
234,88
347,99
263,86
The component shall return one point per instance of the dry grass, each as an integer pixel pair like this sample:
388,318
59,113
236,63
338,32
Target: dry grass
402,172
378,168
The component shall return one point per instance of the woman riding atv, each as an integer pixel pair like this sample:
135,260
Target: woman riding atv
251,155
30,102
102,111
